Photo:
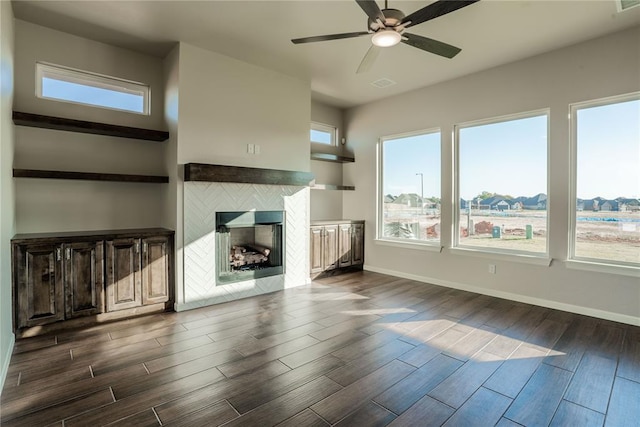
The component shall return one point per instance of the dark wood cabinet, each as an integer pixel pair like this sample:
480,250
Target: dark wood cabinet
351,247
155,270
66,276
317,249
124,285
84,278
39,284
324,248
357,244
336,245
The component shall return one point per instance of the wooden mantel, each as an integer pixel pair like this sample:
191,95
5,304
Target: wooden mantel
245,175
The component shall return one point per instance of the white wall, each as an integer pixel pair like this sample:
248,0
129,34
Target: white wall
602,67
60,205
7,218
327,204
226,104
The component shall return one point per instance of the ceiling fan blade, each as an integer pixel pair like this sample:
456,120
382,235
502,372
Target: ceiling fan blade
439,8
372,10
329,37
369,59
430,45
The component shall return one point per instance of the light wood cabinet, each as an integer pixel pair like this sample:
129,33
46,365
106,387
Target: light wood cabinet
336,246
66,276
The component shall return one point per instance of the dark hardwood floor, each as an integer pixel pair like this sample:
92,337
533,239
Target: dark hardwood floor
361,349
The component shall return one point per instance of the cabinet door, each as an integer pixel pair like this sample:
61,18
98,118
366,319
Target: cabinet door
124,287
317,249
155,270
84,278
357,244
344,245
38,284
331,257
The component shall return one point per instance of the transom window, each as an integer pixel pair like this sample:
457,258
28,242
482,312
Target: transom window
409,207
323,134
606,184
80,87
501,202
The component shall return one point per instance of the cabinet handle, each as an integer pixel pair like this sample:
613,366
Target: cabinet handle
58,254
68,253
144,247
137,248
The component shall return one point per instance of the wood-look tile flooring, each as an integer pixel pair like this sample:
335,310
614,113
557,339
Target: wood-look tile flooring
361,349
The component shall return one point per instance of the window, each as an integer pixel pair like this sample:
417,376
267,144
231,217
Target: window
501,202
323,134
409,199
67,85
606,188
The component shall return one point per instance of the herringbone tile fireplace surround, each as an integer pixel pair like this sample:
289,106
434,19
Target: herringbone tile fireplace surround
201,202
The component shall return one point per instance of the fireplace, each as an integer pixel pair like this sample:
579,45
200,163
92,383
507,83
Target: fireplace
249,245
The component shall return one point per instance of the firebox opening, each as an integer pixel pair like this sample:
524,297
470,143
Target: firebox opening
249,245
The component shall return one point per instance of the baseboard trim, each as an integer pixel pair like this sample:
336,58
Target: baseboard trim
6,360
593,312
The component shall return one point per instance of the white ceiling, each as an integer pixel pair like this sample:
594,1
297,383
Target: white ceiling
490,33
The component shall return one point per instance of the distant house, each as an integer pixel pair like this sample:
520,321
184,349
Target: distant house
502,205
495,203
411,200
517,206
537,202
609,205
389,198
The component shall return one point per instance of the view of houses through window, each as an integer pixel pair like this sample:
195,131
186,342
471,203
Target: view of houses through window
410,185
607,185
502,184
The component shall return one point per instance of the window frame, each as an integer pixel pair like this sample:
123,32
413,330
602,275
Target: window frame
86,78
588,263
468,249
429,245
321,127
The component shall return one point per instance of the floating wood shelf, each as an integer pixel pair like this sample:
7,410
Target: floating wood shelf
220,173
89,176
326,157
332,187
59,123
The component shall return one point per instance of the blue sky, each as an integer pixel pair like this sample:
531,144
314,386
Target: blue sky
511,157
608,161
58,89
404,157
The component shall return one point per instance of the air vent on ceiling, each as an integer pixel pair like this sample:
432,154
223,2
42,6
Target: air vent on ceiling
382,83
626,4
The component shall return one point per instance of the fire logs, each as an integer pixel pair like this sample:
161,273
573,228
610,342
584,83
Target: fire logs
241,255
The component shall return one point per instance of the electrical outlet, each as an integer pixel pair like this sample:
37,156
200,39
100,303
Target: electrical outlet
492,268
250,148
256,149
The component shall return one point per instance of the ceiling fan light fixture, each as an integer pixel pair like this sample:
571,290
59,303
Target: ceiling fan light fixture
386,38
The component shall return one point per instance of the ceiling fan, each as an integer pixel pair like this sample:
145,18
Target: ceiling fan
388,26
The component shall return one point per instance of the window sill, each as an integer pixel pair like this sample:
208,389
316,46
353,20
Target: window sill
603,267
512,257
431,247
